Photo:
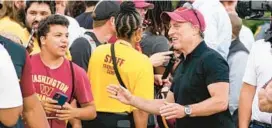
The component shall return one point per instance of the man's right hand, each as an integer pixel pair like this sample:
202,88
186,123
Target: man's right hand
120,93
50,106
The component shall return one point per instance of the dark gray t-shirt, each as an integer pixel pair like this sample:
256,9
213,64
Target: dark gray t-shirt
81,50
152,44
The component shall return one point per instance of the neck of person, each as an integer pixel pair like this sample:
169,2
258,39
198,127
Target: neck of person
50,60
133,44
103,35
89,9
191,46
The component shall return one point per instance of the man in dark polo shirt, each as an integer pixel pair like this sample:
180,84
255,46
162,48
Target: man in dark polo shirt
198,97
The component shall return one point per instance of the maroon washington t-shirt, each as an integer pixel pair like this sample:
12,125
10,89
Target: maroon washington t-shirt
49,81
27,88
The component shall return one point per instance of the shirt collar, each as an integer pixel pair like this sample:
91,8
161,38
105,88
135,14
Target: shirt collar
123,42
198,50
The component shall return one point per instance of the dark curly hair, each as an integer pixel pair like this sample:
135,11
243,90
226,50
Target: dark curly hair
45,24
127,20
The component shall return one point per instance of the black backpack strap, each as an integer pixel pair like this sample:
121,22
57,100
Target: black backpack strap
115,66
93,36
73,81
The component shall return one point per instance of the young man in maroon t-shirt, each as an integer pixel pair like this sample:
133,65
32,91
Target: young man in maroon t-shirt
53,73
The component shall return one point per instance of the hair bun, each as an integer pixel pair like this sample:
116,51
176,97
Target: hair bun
127,7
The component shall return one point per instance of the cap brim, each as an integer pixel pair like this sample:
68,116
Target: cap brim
167,16
145,5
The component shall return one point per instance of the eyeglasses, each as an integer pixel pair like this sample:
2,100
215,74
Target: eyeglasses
188,5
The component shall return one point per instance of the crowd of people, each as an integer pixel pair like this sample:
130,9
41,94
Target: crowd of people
138,64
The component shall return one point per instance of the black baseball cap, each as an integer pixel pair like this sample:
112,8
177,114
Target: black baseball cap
105,9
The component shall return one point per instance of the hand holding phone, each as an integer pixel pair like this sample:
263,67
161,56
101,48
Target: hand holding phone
50,106
61,98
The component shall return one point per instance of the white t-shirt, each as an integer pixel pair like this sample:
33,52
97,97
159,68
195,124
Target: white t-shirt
218,26
246,36
10,93
74,29
258,72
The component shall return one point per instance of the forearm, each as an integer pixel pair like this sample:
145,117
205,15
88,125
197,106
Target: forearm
150,106
75,123
10,116
34,114
209,107
86,113
140,118
245,106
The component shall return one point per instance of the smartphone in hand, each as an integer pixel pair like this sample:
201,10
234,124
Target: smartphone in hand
61,98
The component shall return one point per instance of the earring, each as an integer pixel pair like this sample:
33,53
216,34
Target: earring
137,39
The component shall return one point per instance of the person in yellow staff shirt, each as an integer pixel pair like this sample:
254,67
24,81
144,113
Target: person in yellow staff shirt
135,70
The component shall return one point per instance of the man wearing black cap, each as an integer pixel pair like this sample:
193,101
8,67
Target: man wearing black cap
103,30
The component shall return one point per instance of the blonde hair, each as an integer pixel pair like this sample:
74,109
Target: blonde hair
99,23
9,9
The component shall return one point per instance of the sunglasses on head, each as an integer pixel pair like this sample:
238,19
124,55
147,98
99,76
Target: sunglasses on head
188,5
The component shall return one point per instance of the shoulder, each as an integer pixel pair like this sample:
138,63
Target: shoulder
212,54
71,20
3,51
11,46
238,57
80,41
212,59
246,30
102,48
77,69
35,57
161,39
260,46
5,57
9,23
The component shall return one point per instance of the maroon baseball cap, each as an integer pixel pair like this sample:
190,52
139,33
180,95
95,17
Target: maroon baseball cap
143,4
183,14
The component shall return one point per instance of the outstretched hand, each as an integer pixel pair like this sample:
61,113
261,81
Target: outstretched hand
120,93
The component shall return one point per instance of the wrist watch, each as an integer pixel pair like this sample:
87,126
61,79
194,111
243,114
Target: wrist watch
187,110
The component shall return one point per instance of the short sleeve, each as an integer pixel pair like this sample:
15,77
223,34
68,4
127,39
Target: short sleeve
144,82
250,75
216,68
27,86
81,52
83,91
10,93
